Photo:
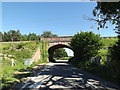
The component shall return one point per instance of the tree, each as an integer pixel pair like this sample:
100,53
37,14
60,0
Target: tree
5,37
47,34
14,35
33,36
24,38
85,45
1,35
114,62
59,53
108,11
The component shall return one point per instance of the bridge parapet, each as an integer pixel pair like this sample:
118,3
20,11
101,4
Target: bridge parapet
56,39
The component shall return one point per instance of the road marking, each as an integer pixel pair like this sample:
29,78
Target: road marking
33,78
74,73
39,73
38,84
24,86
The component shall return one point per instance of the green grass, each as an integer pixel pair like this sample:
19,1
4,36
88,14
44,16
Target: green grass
18,52
9,76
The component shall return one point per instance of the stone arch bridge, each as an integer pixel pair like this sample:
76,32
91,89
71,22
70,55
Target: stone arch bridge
55,43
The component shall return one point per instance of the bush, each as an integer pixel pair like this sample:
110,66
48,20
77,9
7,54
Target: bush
114,62
85,45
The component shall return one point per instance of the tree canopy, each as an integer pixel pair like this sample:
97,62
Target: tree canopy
85,45
47,34
15,35
108,11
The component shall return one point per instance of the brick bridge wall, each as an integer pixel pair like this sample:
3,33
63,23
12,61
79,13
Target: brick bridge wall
57,40
55,43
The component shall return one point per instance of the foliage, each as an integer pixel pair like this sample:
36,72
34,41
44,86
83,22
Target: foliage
43,51
20,51
108,70
24,38
108,42
85,45
65,58
59,53
14,35
100,70
33,37
108,11
115,52
1,36
114,62
47,34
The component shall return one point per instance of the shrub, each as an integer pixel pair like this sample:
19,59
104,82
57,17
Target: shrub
114,62
85,45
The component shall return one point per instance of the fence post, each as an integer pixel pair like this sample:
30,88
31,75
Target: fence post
12,62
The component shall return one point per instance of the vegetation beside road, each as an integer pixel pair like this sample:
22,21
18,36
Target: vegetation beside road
85,47
108,42
18,52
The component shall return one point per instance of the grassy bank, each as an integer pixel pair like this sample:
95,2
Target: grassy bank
18,52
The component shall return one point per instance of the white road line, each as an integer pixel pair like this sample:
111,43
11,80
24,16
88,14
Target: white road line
43,81
74,73
39,73
24,86
38,84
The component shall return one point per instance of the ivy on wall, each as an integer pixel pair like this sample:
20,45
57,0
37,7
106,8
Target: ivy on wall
44,51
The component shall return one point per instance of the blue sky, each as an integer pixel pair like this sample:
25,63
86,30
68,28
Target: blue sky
62,18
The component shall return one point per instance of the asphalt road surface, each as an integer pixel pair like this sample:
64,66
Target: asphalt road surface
65,76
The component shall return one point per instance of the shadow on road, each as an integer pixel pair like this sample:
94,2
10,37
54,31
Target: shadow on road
64,76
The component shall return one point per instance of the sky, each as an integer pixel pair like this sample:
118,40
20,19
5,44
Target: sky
61,18
69,52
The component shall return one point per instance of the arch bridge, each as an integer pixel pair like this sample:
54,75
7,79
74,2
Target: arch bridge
55,43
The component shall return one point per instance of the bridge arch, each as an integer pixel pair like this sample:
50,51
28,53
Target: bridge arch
53,48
